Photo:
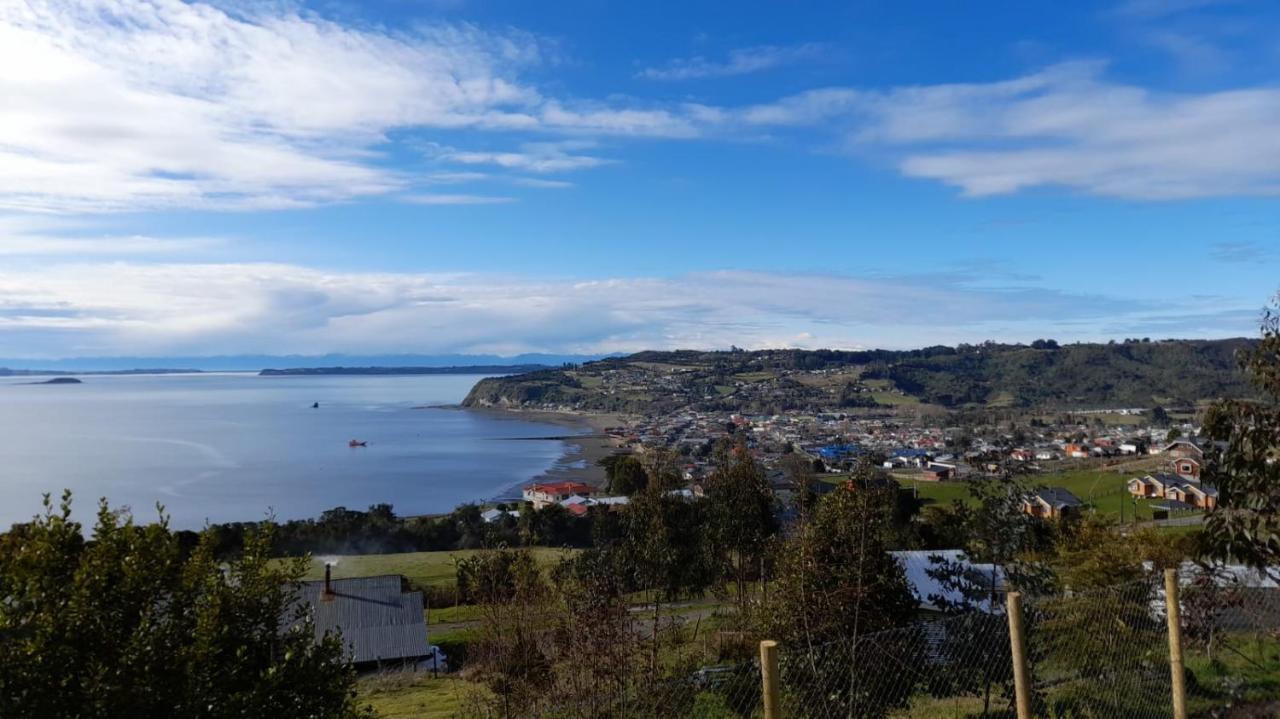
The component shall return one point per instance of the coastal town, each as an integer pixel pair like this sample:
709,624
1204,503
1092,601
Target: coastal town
1161,465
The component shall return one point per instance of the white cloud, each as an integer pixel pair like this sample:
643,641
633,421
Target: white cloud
1066,127
541,183
50,236
533,157
144,104
185,308
741,61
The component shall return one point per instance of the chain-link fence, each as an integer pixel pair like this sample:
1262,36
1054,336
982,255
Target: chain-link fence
1102,653
1231,638
1088,655
723,691
958,666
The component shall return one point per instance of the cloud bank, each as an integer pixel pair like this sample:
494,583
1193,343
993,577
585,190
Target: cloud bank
192,309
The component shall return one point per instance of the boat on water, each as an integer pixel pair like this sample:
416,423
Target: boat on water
357,443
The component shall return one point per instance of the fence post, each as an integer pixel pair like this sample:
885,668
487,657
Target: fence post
1018,650
1174,613
769,679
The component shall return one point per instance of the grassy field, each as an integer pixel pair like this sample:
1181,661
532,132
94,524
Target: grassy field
424,569
894,399
1103,490
416,695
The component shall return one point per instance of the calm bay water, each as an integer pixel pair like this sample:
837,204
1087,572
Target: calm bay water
232,447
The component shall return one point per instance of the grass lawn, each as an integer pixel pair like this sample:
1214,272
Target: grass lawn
1104,490
424,569
894,399
938,493
417,695
1249,664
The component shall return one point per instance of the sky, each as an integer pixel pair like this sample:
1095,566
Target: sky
502,177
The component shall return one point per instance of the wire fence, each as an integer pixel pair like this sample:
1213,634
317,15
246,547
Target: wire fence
1102,653
724,691
1089,655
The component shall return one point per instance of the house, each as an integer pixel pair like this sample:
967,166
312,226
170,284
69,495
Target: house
493,515
1076,451
579,505
1147,487
910,457
1051,503
1185,447
543,494
1192,492
937,473
1187,467
838,452
379,622
1200,496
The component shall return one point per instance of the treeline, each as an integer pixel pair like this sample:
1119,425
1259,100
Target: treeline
378,530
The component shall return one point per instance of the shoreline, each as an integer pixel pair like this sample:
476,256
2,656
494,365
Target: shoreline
578,463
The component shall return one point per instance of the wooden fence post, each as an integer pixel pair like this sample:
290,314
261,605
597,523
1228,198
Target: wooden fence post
1174,613
1018,651
769,679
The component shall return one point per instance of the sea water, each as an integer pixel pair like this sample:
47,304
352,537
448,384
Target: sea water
240,447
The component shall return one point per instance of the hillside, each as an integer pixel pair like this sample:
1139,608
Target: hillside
1128,374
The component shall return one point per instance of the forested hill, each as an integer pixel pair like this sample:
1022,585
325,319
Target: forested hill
1122,374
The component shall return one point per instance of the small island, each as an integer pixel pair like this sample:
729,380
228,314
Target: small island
60,380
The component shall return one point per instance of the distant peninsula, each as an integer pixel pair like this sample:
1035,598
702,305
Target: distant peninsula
60,380
384,371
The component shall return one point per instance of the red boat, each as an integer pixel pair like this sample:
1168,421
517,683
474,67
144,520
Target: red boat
357,443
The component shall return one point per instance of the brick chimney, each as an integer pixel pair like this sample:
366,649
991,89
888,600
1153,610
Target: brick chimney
327,594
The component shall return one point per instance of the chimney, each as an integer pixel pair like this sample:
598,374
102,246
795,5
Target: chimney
327,595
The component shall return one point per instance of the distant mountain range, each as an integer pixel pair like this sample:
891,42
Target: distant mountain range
1172,373
390,371
254,363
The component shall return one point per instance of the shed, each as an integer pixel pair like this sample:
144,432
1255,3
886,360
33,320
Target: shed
378,620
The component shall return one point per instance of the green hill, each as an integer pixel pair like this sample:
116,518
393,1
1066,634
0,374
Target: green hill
1124,374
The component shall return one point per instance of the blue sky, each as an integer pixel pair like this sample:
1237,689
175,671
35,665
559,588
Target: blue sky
503,177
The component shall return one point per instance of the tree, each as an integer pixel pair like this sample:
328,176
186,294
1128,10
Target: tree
837,584
128,624
509,650
742,513
626,474
1245,525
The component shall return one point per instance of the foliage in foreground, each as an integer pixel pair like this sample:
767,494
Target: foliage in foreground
127,623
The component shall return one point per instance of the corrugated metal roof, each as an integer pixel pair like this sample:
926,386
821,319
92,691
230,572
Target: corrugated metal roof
378,621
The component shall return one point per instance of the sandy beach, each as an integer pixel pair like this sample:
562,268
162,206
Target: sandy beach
583,449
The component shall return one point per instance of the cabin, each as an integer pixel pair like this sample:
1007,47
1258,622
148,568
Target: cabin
548,493
380,623
1051,503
